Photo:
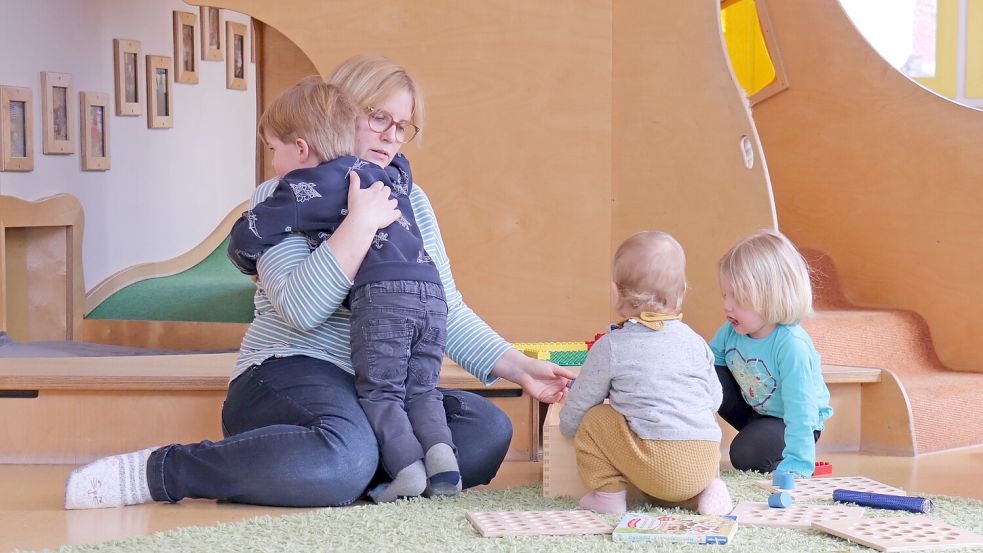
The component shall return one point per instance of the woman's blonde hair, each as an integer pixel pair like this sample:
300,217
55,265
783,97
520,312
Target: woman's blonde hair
650,273
372,80
769,275
322,114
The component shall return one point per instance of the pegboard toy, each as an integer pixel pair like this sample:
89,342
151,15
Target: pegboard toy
882,501
783,480
496,524
749,513
823,468
896,534
822,488
779,500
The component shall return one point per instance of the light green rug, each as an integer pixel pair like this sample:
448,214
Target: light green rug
440,525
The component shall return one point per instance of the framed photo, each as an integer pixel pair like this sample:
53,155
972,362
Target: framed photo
95,131
212,45
16,129
237,48
160,93
186,47
129,89
57,116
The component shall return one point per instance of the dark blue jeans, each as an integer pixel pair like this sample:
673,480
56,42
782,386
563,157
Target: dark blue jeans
760,439
297,437
398,333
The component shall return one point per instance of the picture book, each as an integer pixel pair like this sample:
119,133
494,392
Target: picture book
681,528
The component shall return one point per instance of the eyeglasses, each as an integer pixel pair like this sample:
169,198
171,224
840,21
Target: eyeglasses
380,121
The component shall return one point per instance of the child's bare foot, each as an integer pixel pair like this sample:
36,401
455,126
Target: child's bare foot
605,502
715,499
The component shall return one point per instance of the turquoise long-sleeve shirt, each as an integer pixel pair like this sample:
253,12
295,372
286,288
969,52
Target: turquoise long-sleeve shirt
780,376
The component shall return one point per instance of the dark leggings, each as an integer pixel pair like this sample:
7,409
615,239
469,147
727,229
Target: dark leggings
760,439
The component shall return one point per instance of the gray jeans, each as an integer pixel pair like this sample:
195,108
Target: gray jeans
398,334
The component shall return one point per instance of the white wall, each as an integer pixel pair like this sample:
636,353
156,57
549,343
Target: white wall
167,189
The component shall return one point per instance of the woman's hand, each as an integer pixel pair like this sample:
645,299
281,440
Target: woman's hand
369,210
370,207
540,379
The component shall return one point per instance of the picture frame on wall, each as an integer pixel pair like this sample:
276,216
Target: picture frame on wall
129,78
212,34
236,60
57,115
94,108
16,129
186,47
160,92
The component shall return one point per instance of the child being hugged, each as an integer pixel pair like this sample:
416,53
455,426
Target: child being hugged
399,312
774,393
658,431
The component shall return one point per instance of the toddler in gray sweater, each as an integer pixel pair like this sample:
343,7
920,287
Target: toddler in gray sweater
658,431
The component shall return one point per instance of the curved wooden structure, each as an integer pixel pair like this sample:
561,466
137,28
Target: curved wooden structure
881,174
678,122
553,131
169,267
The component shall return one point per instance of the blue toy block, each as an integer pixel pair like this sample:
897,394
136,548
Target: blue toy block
780,500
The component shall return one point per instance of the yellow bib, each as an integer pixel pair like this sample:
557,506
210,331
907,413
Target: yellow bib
655,321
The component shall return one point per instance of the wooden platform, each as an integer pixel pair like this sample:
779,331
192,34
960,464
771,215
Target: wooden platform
75,409
870,415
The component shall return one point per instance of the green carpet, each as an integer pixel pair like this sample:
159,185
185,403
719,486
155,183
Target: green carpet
211,291
440,525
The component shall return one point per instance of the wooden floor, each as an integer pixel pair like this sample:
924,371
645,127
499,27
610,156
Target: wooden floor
31,497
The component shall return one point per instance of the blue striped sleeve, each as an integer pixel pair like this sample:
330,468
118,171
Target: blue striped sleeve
304,287
471,343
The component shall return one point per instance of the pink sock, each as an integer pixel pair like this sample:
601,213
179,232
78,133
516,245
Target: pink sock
605,502
715,499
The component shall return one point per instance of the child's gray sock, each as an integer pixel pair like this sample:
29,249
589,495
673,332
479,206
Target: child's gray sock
442,471
409,482
112,481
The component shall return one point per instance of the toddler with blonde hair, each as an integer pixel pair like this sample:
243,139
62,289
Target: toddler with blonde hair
773,388
658,431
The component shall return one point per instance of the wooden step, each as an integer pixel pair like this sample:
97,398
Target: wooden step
76,409
901,341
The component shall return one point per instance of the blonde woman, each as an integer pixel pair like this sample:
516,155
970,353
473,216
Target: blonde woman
295,433
773,388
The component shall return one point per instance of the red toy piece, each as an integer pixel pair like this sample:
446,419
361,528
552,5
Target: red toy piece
823,468
591,342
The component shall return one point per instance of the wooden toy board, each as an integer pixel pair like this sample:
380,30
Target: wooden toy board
496,524
749,513
822,488
896,534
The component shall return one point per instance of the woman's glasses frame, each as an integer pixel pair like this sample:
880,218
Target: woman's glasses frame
381,121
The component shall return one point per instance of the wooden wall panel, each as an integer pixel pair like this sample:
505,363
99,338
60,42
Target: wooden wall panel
879,172
516,152
678,118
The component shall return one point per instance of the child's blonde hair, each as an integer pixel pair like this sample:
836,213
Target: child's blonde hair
321,114
372,80
650,273
769,275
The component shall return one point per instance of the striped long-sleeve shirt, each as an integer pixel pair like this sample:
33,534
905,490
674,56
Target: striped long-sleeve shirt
299,307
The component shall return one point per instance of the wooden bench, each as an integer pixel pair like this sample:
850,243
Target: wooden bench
71,410
871,413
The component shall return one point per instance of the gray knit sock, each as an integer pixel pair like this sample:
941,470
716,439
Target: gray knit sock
409,482
112,481
443,474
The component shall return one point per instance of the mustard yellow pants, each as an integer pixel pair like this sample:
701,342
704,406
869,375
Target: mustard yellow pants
610,456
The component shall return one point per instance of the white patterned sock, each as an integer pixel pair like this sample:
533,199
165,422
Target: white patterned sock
112,481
